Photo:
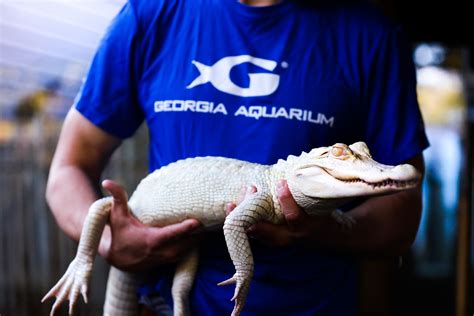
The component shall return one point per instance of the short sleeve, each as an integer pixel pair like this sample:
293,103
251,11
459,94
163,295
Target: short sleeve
395,129
108,96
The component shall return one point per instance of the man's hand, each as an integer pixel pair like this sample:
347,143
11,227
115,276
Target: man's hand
130,245
299,227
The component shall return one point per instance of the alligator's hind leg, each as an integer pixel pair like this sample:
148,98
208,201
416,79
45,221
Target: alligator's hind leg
183,281
121,296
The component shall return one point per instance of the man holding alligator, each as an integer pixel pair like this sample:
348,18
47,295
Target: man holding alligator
216,63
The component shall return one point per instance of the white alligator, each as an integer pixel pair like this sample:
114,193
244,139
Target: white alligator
320,181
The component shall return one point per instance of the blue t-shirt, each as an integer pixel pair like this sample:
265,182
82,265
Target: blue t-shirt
216,77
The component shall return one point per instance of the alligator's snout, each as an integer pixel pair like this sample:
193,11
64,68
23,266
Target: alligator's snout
405,172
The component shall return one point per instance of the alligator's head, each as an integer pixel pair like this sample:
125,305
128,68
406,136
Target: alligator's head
342,172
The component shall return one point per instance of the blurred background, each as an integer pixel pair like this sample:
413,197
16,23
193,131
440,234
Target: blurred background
45,49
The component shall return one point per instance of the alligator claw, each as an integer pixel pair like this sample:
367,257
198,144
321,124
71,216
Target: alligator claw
240,293
240,296
230,281
73,283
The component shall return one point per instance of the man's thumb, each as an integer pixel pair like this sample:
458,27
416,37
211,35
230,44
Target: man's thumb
292,212
116,190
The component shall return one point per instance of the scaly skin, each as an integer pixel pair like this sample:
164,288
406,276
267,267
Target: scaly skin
320,181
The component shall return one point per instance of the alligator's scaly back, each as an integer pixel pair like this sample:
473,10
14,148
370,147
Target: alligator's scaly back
195,188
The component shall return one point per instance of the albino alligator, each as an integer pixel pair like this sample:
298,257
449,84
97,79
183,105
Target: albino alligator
320,181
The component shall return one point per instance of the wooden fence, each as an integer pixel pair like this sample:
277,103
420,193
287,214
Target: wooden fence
34,253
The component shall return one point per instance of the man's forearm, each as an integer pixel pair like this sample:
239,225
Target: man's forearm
70,193
384,225
73,184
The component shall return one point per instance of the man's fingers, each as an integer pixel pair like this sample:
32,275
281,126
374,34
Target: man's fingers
246,192
116,190
294,215
119,195
229,207
271,234
173,232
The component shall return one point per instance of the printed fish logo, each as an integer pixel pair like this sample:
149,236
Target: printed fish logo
218,75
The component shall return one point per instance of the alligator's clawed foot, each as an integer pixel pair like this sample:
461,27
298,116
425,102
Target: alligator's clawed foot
240,293
346,221
73,283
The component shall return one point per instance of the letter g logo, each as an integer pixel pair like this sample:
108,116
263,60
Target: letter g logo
219,76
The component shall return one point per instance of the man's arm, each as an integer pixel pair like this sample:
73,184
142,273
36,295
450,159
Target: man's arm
384,224
83,151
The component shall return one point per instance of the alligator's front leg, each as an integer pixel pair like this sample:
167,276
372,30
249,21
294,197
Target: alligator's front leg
254,208
76,279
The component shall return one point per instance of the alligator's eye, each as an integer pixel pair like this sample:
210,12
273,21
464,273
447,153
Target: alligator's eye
338,151
341,152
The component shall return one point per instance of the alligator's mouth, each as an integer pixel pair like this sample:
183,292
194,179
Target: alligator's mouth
388,183
383,184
